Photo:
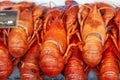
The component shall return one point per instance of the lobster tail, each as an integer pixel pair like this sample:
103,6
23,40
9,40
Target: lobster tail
92,54
6,66
50,57
109,68
29,68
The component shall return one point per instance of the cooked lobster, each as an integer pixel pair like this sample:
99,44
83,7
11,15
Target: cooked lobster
93,19
19,38
53,45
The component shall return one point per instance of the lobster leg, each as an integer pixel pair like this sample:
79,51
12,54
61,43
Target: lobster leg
87,70
5,33
71,31
113,29
31,42
16,61
46,23
116,50
83,13
114,41
37,13
70,35
35,34
67,53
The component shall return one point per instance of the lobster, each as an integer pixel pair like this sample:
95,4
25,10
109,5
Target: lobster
19,38
53,44
93,20
29,68
6,65
75,67
109,65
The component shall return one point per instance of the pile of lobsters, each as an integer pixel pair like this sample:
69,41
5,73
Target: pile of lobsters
71,39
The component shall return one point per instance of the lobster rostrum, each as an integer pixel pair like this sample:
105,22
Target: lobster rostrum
93,29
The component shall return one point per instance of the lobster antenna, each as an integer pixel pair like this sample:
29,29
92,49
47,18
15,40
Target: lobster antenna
53,10
5,7
50,4
105,8
42,4
78,5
